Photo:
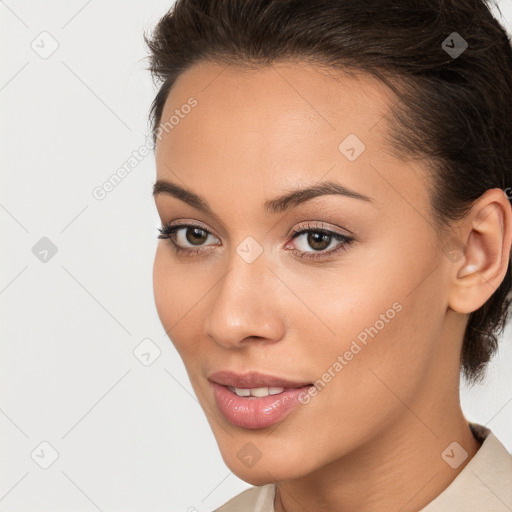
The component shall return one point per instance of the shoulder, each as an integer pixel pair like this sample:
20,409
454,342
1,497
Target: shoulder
485,484
258,498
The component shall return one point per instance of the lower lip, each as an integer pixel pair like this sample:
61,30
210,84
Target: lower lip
256,412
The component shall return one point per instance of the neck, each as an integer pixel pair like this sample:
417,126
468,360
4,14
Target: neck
401,469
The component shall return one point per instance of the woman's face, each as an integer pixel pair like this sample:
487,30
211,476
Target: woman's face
364,314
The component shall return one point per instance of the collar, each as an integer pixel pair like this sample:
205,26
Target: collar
485,483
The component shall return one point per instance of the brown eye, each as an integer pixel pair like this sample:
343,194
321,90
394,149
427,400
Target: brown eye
183,237
314,242
196,236
319,240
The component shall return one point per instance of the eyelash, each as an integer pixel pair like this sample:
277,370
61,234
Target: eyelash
169,232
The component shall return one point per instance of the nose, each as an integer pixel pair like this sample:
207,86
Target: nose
245,306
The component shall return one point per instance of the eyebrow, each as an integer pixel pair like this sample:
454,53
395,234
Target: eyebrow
274,206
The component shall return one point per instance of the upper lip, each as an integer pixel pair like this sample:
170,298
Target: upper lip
251,380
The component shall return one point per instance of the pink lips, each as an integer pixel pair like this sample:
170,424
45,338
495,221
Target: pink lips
255,412
253,380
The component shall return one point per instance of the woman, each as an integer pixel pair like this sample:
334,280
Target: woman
333,181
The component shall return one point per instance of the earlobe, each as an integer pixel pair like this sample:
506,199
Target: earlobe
487,235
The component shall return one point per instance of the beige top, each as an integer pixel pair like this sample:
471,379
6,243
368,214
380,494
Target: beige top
484,485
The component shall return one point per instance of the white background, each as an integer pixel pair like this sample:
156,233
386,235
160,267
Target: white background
129,437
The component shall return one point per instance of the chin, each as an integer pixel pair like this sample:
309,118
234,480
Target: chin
258,476
271,468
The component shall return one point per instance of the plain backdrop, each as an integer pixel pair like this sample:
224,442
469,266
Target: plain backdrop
87,423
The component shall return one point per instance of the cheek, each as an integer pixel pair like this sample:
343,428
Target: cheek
173,296
162,286
358,394
378,320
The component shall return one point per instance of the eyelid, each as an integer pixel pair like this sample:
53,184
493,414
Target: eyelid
320,225
192,223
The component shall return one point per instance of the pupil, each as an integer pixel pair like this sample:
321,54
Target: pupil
316,238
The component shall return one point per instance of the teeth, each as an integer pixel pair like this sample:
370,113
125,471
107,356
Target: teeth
242,392
275,391
256,392
259,392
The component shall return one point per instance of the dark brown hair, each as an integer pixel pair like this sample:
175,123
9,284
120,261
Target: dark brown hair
454,112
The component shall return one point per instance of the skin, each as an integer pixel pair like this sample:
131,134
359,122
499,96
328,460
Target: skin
389,414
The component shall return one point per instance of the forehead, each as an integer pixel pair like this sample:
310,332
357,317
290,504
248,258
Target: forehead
283,102
275,127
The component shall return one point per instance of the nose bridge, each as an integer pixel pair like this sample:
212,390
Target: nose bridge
243,305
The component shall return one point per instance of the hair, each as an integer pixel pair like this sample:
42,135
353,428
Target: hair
454,113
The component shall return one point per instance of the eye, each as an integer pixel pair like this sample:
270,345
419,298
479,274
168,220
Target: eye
190,239
319,239
180,235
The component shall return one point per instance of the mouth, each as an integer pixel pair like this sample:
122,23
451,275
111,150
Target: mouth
254,400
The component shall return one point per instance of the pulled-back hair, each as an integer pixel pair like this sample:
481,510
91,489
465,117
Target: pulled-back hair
454,112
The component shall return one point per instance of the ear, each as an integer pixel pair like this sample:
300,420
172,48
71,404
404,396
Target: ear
485,243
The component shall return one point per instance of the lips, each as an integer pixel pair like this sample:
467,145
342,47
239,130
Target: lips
251,380
255,412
